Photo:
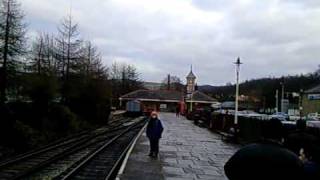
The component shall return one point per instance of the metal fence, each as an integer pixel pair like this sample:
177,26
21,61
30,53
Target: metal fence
249,129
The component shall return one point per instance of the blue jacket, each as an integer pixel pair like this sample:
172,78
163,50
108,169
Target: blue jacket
154,129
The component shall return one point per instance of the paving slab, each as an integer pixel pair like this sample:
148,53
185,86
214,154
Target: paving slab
186,152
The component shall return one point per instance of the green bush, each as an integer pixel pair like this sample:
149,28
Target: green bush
60,121
26,136
40,89
91,101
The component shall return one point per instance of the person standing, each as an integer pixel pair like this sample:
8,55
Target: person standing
154,133
305,145
178,111
301,139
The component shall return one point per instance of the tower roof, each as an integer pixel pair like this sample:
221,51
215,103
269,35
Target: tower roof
191,75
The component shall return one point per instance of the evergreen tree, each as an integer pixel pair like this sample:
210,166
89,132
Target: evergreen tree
68,47
12,40
68,53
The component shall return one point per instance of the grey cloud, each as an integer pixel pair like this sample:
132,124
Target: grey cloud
272,37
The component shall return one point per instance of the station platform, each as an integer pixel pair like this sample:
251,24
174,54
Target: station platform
186,152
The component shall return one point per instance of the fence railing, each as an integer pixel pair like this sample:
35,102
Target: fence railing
249,129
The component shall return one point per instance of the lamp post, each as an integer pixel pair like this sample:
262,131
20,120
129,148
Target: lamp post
300,103
237,63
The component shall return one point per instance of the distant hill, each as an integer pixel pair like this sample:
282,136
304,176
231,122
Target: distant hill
265,88
206,88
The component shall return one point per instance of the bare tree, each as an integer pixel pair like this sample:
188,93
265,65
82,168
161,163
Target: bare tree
42,56
37,53
92,65
12,39
318,71
124,72
124,79
172,83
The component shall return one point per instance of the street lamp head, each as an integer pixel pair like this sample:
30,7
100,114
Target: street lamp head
238,62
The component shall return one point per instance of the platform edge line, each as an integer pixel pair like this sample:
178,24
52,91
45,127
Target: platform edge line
125,161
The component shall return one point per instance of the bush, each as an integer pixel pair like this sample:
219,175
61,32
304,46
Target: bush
6,125
40,89
26,113
91,101
26,137
60,121
19,136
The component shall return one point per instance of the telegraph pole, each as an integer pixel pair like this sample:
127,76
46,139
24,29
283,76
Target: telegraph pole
191,102
282,96
169,82
238,63
277,100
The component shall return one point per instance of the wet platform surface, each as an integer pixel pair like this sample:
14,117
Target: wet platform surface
186,152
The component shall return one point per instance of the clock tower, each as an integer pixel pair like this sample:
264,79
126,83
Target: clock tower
191,82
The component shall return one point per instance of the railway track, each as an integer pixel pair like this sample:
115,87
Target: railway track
104,161
27,164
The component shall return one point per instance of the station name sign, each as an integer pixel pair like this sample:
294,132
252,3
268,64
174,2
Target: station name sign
314,96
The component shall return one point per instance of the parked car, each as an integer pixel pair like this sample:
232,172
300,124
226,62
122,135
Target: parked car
295,118
280,115
313,116
224,111
252,114
313,124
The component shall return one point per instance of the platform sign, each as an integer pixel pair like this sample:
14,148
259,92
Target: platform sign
314,96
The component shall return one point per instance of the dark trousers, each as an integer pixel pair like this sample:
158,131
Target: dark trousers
154,146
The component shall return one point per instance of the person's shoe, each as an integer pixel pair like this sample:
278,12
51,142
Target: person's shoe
155,155
150,154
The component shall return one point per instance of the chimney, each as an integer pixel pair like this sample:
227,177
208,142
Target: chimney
169,79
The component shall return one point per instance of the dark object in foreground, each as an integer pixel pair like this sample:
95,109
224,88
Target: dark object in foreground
307,146
265,160
301,139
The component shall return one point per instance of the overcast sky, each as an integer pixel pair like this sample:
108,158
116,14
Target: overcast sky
272,37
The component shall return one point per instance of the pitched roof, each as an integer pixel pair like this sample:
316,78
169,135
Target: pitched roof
166,95
154,95
198,96
315,89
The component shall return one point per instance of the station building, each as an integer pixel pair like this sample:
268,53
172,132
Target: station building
169,100
311,100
